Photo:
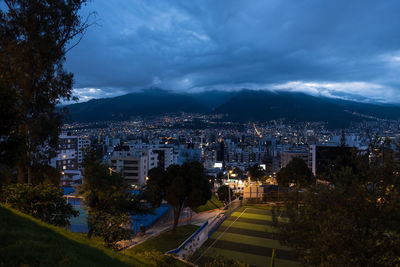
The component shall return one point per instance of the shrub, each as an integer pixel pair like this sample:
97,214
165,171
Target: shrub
43,201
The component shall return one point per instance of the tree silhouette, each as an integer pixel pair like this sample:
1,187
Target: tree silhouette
353,221
34,38
296,172
257,173
181,186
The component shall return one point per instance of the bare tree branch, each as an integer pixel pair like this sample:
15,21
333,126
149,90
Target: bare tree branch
82,31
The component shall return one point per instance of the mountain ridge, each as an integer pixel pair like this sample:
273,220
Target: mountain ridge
243,105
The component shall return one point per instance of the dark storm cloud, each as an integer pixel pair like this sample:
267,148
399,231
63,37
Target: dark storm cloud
334,48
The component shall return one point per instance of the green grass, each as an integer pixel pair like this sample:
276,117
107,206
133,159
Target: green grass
212,204
257,217
251,240
254,260
164,242
208,250
250,226
26,241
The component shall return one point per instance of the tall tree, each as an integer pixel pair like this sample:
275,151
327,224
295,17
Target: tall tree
257,173
296,172
181,186
353,222
109,201
34,38
224,194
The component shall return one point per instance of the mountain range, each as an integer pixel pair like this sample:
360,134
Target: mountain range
241,106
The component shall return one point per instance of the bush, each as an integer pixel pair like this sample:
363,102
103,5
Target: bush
110,227
43,201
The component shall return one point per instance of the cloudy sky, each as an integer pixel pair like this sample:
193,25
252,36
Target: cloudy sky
341,48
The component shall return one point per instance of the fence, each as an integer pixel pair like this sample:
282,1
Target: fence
197,239
147,220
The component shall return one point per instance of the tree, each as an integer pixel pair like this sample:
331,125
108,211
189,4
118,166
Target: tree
109,202
34,35
220,177
44,201
43,173
223,194
257,173
181,186
296,172
354,221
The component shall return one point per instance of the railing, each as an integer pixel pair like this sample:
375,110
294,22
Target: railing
197,239
191,239
219,220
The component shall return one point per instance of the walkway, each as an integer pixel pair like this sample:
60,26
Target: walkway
166,224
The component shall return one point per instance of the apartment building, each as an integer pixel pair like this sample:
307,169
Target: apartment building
133,164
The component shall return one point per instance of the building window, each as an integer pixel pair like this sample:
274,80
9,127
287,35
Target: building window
131,168
135,174
130,162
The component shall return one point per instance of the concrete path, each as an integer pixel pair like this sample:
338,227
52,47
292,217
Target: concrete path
165,224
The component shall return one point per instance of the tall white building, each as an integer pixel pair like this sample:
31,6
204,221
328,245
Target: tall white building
134,164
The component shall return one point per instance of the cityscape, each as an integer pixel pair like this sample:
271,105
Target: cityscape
199,133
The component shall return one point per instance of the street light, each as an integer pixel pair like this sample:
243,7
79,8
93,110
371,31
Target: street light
229,189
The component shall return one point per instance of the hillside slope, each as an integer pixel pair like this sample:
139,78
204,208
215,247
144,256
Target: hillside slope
147,103
243,106
250,105
26,241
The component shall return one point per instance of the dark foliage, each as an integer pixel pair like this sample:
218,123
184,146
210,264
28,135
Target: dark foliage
44,201
109,202
354,221
297,173
34,36
257,173
223,194
181,186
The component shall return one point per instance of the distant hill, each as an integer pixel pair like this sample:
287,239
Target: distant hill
249,105
244,105
147,103
26,241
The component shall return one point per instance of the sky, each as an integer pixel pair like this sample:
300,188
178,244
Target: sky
344,48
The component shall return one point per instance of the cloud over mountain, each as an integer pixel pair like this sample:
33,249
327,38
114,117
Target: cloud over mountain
341,48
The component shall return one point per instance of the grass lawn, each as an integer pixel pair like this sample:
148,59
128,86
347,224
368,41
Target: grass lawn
246,236
212,204
26,241
164,242
252,240
253,260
